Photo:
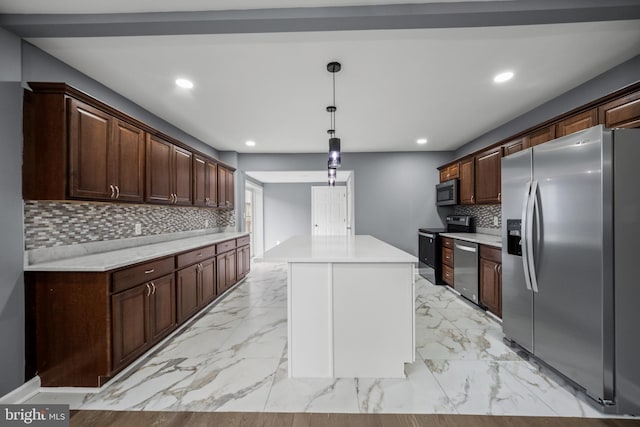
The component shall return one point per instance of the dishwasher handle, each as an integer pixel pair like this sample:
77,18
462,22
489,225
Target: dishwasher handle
466,248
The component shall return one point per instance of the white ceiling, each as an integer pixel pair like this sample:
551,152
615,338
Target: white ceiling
127,6
280,177
395,86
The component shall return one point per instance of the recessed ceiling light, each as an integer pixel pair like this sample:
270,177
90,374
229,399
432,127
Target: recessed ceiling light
421,141
184,83
503,77
250,143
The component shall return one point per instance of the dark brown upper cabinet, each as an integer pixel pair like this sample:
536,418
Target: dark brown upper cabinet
541,136
205,182
516,145
577,122
76,147
622,112
467,186
450,172
225,188
169,172
488,176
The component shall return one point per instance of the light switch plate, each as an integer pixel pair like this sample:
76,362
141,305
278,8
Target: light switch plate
137,229
495,220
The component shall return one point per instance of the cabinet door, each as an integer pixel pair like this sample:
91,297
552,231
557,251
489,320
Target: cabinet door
182,166
89,136
199,181
621,113
131,329
162,306
490,286
516,145
246,260
488,180
126,163
211,196
232,277
188,300
230,193
577,123
542,135
467,182
221,284
159,171
222,187
208,281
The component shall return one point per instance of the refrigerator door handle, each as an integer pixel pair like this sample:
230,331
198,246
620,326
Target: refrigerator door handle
532,205
524,237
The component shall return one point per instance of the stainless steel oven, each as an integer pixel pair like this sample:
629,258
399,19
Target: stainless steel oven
447,193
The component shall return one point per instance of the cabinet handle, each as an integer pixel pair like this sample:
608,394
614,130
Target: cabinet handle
499,268
117,192
499,196
154,288
199,255
472,197
148,290
495,268
113,190
175,198
149,271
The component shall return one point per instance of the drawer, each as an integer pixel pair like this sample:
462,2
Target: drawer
133,276
226,246
447,242
447,275
243,241
196,255
491,253
447,256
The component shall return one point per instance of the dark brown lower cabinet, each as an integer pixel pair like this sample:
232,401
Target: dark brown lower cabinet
243,258
227,275
491,279
82,328
196,288
141,316
187,290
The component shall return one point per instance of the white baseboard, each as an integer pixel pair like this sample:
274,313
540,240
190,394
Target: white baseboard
22,393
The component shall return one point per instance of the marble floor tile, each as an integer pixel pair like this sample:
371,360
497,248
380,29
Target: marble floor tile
74,400
419,392
311,394
552,389
481,387
233,358
263,333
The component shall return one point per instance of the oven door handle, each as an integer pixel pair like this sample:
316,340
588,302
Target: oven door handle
425,234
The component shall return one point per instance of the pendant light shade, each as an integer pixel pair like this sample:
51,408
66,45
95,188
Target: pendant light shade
335,157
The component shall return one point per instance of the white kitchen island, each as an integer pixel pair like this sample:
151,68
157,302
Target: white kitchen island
350,302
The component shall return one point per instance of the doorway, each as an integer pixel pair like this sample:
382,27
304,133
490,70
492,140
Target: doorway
254,217
329,211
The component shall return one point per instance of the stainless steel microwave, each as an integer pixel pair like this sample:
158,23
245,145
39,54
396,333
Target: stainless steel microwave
447,193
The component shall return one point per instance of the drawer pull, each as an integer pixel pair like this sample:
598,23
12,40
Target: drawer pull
149,271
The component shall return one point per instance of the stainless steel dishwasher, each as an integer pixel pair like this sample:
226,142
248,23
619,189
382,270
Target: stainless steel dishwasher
465,269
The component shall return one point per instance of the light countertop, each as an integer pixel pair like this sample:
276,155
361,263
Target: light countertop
105,261
339,249
483,239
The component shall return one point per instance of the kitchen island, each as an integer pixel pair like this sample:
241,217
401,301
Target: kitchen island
350,302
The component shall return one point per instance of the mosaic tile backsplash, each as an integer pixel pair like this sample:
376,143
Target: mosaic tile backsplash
53,223
483,214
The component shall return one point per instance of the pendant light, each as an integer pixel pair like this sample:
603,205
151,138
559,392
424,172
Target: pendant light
335,159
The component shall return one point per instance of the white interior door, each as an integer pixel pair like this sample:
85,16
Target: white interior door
328,211
254,217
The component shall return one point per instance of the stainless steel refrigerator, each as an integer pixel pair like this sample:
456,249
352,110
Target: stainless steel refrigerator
570,288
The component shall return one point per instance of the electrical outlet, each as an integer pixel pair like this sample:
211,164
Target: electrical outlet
495,220
137,230
206,223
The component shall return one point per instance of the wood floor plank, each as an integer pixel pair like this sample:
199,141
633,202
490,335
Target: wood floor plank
268,419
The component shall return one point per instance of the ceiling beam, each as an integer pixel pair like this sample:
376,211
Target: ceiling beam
401,16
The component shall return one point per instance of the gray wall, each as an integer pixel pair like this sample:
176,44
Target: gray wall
11,254
394,192
39,66
616,78
287,212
